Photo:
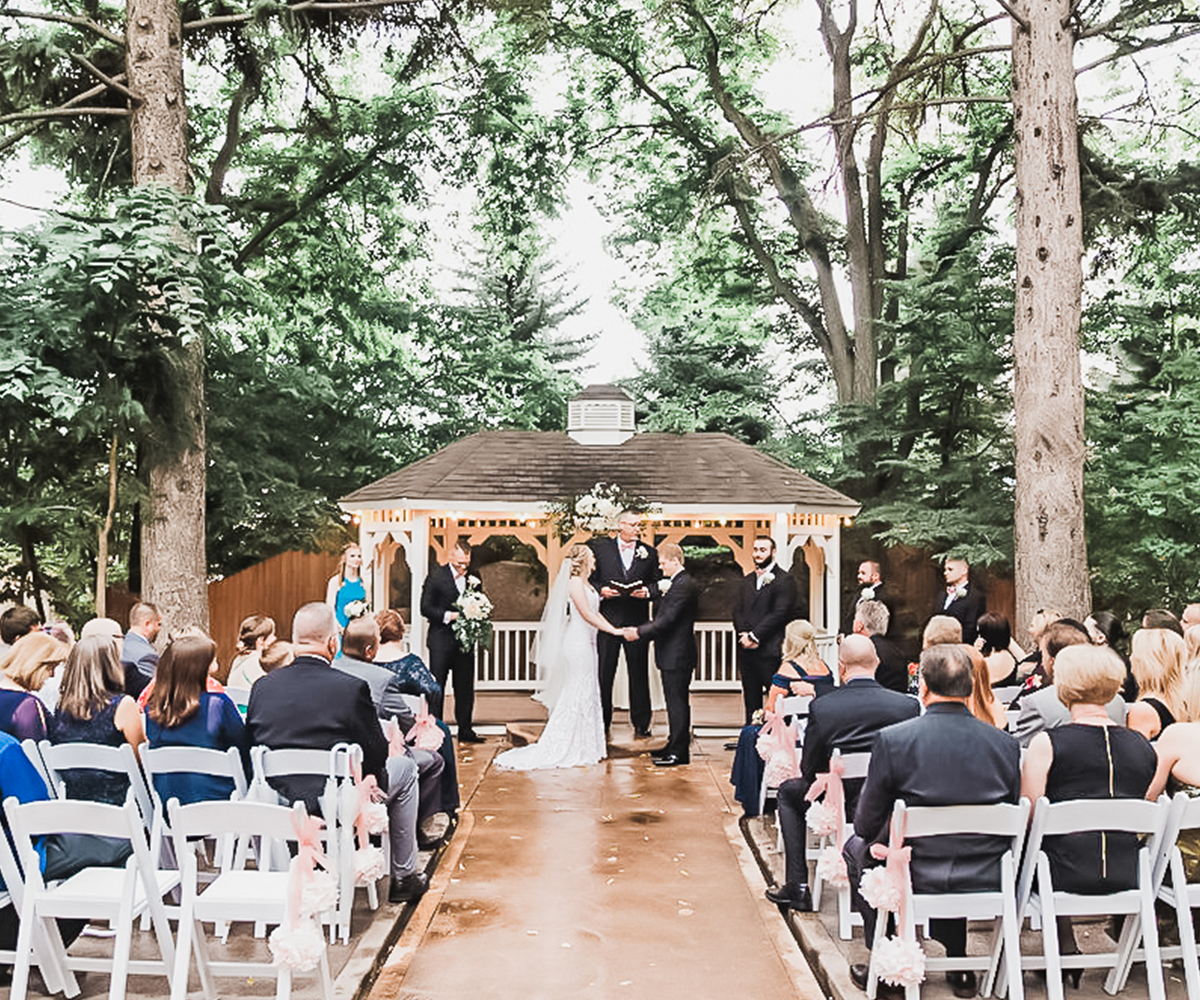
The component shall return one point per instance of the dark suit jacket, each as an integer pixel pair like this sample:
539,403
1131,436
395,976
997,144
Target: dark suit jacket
766,611
966,609
847,719
673,627
439,595
945,757
892,671
309,705
883,594
624,610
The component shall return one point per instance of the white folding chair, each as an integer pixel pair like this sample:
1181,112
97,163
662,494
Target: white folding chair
334,765
237,893
795,708
45,954
855,765
60,757
240,698
998,905
1006,693
116,894
1183,813
1146,819
416,702
34,756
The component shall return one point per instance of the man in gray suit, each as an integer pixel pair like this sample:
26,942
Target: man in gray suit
359,642
1042,709
944,757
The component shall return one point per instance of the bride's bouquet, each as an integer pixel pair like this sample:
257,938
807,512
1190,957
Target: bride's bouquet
473,626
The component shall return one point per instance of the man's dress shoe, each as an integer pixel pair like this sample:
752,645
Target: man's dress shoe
642,734
670,760
408,888
791,896
962,984
470,736
884,991
660,752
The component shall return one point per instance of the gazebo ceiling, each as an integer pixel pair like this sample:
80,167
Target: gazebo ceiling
533,467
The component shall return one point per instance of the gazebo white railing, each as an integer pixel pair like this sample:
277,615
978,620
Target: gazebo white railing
509,664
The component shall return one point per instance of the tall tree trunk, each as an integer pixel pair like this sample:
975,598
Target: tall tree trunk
103,533
174,572
1051,551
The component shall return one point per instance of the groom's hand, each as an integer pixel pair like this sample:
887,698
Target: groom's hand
630,633
609,592
641,593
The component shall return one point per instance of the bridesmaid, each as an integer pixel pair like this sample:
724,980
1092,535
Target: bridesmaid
346,585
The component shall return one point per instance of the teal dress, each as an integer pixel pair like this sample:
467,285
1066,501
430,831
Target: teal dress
350,590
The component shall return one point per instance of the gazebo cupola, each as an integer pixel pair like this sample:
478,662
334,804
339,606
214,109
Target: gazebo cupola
601,414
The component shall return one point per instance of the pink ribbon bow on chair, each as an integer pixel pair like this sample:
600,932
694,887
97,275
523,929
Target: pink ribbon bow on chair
899,960
829,784
776,744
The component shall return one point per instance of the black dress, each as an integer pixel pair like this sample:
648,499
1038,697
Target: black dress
85,782
1096,762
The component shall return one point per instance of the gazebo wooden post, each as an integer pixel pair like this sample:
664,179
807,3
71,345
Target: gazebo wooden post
419,566
833,572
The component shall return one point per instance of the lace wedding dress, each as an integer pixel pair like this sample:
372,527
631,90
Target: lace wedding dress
574,733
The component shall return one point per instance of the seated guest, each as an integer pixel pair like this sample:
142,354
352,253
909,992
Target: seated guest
846,719
138,655
1106,629
24,669
254,633
944,757
941,630
802,672
93,708
1190,617
871,618
211,684
415,677
1090,757
996,644
437,770
276,656
1178,768
282,713
1043,709
1157,659
1162,618
181,712
16,622
1031,667
983,703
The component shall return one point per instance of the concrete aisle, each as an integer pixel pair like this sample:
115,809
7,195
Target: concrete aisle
618,880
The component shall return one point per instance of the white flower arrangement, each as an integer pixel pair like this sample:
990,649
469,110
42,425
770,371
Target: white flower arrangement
473,626
768,579
356,609
664,586
595,511
642,552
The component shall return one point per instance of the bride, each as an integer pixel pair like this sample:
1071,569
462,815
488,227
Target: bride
567,663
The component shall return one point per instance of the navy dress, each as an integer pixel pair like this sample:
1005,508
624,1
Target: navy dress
82,782
215,725
22,715
747,771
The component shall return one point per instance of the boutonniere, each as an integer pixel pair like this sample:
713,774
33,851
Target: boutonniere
868,593
664,586
641,552
473,581
767,578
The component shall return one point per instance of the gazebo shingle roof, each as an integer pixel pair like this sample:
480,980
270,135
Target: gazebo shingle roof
536,466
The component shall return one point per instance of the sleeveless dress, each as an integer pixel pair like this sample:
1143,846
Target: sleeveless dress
1096,762
83,782
350,590
574,733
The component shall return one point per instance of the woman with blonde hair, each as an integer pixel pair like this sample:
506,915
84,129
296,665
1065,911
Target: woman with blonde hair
24,669
567,661
346,585
254,634
801,670
1157,656
93,708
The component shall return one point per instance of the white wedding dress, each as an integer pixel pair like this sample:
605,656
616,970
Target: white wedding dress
574,733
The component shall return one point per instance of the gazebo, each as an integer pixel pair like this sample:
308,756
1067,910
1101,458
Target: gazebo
499,483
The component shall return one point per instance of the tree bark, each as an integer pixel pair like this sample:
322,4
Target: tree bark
103,533
174,570
1051,551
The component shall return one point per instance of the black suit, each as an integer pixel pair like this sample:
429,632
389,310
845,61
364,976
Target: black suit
765,612
622,611
311,706
967,609
892,671
945,757
883,594
846,719
447,658
673,629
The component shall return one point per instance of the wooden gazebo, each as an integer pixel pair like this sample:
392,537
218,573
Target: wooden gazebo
499,483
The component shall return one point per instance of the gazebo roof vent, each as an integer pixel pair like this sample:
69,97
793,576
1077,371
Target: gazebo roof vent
601,414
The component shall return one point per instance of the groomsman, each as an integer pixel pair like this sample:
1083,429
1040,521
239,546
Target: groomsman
626,570
960,600
766,601
673,630
439,597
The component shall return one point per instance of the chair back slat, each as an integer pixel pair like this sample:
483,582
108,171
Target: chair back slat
1110,815
855,764
217,818
1000,819
60,757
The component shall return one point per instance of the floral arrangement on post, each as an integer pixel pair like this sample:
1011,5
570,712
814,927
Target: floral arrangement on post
473,626
595,511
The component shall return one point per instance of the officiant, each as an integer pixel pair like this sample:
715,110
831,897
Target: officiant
626,573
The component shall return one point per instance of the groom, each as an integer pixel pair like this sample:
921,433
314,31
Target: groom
447,659
625,572
673,630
